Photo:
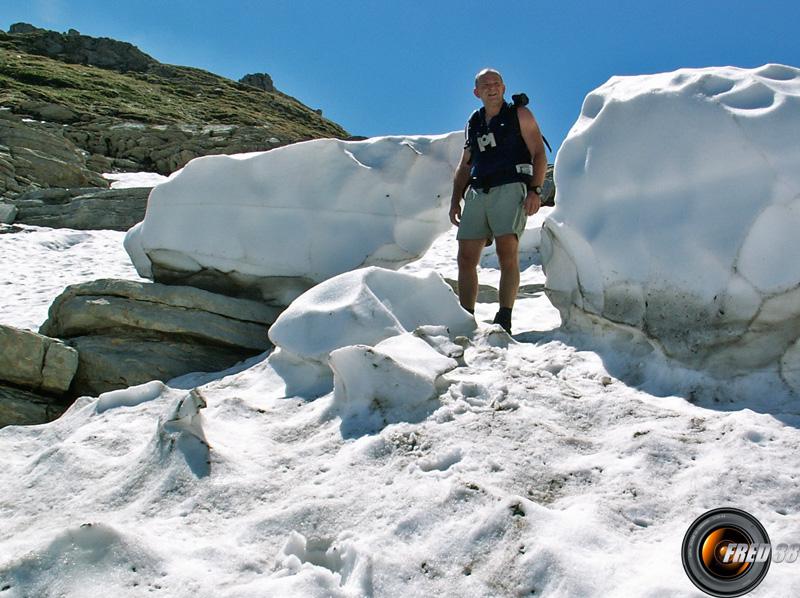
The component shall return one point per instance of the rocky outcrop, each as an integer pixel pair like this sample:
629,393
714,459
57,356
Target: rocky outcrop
33,155
166,148
81,208
260,80
35,362
75,48
24,408
127,333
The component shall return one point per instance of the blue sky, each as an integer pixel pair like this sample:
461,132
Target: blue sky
407,67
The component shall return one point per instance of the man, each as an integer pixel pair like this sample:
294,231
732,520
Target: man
504,165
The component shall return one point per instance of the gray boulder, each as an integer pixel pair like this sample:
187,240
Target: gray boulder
82,208
8,212
129,332
23,408
36,362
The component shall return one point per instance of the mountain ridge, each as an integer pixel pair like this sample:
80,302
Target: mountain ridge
73,107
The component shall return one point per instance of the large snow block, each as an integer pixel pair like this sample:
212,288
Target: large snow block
364,307
677,214
273,224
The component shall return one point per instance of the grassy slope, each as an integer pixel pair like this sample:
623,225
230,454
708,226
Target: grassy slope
167,94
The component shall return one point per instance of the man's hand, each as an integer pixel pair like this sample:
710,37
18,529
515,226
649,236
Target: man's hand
532,203
455,212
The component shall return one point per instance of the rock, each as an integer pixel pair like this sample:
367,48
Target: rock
24,408
677,217
83,208
48,111
75,48
35,361
379,202
8,212
32,154
128,332
165,148
17,28
260,80
111,362
549,188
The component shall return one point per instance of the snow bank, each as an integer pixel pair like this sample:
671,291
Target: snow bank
363,307
274,223
677,215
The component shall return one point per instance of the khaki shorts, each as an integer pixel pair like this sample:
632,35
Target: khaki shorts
499,212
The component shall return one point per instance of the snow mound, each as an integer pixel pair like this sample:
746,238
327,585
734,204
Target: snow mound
274,223
678,206
82,559
399,379
362,307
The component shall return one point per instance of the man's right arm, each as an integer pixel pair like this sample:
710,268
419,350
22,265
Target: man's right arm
460,184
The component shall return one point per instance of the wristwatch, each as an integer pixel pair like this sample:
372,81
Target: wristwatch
537,190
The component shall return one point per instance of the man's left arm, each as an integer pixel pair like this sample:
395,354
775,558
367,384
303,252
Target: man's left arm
529,129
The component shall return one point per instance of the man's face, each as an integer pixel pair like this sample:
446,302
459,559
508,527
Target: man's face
490,89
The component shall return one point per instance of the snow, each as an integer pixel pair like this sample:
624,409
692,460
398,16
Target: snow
38,263
556,463
678,206
397,380
309,210
366,306
126,180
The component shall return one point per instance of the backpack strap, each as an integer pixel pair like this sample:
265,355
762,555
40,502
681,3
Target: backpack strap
470,132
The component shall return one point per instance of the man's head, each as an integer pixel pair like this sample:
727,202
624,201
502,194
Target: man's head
489,87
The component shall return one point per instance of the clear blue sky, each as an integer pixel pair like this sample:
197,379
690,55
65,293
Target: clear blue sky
406,67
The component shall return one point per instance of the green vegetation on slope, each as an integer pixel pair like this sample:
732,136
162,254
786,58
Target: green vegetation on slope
164,94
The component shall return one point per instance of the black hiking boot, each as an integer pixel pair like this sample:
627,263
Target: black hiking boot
503,317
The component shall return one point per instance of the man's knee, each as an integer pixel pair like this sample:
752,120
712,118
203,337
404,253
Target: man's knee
469,253
508,251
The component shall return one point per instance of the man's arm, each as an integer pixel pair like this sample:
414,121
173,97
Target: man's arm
460,184
529,129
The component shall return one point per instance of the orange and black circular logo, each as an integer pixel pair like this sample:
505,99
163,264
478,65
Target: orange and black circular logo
726,552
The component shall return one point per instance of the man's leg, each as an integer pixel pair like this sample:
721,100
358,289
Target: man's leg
508,255
469,254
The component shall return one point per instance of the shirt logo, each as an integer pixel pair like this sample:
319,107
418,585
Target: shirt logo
485,141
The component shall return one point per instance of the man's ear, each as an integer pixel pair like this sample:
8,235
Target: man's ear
475,91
